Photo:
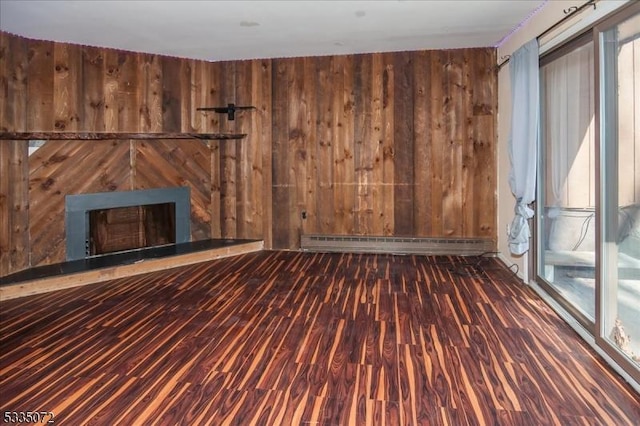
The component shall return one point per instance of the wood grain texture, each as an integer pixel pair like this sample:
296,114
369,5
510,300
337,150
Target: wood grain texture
228,159
281,154
165,164
396,145
69,93
262,120
68,102
14,66
215,96
14,207
377,144
324,152
404,120
301,338
51,178
438,140
14,200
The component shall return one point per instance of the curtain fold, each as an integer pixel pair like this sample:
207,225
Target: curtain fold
523,140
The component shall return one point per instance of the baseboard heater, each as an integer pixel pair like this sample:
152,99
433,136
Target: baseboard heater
396,245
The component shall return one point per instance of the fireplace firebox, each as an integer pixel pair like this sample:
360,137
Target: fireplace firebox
127,228
110,222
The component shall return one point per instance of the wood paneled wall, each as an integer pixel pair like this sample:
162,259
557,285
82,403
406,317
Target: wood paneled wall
375,144
384,144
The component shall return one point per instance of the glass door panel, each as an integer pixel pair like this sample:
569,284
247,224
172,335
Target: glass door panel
566,226
620,307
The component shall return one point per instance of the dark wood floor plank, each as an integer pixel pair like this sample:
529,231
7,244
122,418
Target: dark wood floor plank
306,338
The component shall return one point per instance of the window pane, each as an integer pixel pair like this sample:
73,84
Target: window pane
567,204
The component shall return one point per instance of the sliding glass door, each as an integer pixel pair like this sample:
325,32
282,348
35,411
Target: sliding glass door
620,183
567,194
588,209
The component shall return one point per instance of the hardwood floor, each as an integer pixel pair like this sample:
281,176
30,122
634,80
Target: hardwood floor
306,338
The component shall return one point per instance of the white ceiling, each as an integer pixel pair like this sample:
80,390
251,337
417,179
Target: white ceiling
227,30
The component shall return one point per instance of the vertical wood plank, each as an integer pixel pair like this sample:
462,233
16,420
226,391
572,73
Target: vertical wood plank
422,160
263,118
130,93
199,95
171,94
248,168
467,161
130,100
14,171
245,159
485,105
111,71
4,79
151,102
67,92
307,121
388,145
363,144
404,150
19,206
488,216
451,201
187,81
5,153
324,151
40,108
298,141
215,93
14,83
296,181
469,165
349,190
338,144
93,89
437,141
280,159
149,96
228,157
14,211
5,211
377,142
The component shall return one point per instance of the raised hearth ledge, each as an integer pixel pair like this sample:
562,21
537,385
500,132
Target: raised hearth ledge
181,255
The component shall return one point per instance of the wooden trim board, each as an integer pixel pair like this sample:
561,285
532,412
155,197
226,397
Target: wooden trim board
95,136
44,285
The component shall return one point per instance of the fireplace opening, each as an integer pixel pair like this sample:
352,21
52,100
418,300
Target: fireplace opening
108,222
129,228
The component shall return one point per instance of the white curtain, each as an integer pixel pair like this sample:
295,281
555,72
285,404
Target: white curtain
567,85
556,119
523,140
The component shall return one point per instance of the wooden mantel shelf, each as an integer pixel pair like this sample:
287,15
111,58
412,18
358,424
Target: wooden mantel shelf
111,136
